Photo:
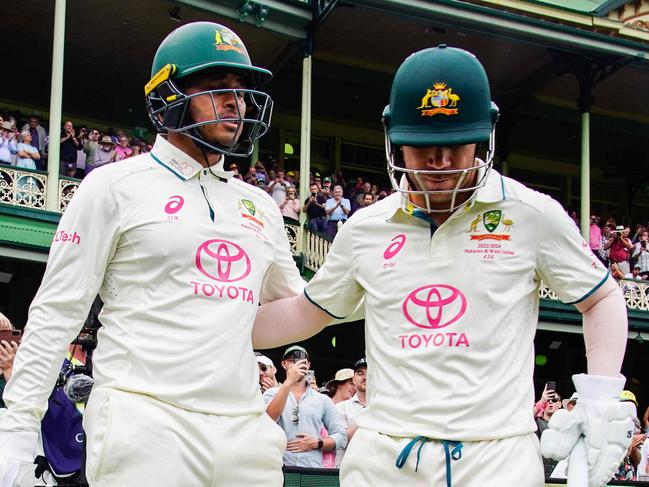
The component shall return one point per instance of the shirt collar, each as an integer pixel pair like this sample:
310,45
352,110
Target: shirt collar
356,399
182,165
492,191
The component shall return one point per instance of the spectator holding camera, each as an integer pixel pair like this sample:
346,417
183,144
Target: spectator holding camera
290,207
619,246
123,148
641,252
314,206
278,187
302,412
549,403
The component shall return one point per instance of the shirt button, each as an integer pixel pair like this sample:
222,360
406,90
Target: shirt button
205,172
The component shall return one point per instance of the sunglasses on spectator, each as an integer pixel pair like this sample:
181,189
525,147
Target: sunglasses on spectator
554,399
295,414
94,132
263,368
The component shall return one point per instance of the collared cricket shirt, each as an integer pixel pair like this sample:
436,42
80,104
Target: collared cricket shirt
181,256
451,311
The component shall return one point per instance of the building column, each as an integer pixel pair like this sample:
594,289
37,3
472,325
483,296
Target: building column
56,102
305,140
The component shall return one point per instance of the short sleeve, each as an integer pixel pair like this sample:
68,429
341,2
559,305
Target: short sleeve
334,289
565,261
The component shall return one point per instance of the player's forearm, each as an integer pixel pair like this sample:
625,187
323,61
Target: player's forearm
605,326
286,321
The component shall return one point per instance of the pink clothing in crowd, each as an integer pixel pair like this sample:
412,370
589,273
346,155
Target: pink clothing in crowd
595,239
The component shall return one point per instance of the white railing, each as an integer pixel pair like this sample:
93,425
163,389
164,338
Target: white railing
315,247
28,189
635,291
293,233
22,187
67,187
315,250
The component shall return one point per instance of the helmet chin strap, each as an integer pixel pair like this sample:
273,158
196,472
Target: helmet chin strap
205,149
420,186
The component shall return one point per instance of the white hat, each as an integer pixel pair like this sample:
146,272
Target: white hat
342,375
262,359
572,398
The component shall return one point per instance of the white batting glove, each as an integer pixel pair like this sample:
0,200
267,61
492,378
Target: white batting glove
17,453
605,423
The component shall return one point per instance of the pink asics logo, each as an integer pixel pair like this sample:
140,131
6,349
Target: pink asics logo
222,260
434,306
394,248
174,205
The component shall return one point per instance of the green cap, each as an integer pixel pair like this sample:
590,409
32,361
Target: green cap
440,96
295,348
204,45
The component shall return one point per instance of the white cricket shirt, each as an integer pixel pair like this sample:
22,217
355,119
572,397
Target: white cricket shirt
181,257
451,312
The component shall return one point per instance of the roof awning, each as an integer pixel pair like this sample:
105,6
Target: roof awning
598,8
25,232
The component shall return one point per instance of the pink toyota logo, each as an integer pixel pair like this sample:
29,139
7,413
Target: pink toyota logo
394,248
434,306
174,205
222,260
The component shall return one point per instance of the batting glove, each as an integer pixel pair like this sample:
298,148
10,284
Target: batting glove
17,453
605,423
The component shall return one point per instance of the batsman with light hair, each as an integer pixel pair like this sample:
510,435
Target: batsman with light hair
447,270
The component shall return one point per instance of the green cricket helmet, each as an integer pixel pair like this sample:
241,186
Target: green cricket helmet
197,48
440,97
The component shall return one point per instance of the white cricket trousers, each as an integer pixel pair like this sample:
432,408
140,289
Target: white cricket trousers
136,440
370,460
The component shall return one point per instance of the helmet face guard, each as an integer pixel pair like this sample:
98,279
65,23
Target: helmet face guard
168,109
440,97
397,171
197,48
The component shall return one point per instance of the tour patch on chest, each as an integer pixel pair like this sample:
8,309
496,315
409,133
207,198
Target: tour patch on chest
490,235
252,218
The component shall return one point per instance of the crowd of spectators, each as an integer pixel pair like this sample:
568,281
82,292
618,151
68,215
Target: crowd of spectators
318,421
332,199
626,254
25,145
